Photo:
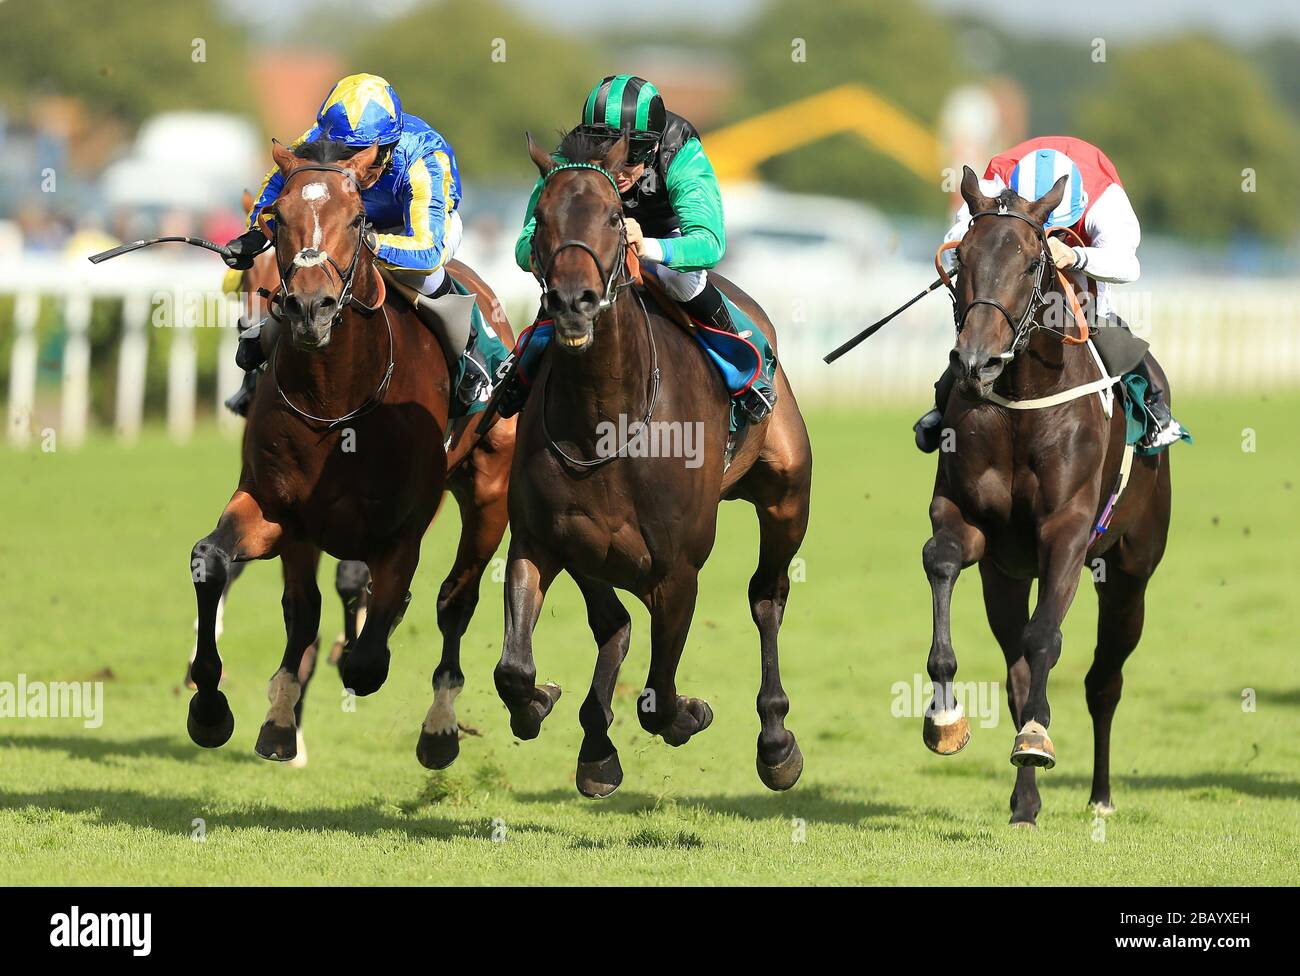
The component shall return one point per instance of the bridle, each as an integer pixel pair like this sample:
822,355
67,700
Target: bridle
618,278
345,299
1023,327
345,276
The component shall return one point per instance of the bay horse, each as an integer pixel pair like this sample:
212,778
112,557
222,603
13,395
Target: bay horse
350,577
348,449
1025,491
642,524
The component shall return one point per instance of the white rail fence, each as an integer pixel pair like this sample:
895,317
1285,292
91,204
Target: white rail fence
1210,335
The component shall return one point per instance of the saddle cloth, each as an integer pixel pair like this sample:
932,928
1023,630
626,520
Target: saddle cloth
741,359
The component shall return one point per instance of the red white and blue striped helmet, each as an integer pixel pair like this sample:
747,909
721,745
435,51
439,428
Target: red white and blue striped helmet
1036,173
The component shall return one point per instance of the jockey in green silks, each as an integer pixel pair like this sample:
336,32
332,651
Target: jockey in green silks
672,209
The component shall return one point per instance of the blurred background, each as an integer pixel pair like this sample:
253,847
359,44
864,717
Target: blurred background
836,127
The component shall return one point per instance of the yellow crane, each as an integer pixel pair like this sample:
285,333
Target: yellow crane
737,150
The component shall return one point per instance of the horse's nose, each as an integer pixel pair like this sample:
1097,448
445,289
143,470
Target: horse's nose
315,308
970,363
583,301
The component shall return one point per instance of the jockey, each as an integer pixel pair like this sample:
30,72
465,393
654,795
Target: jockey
672,210
410,195
1096,209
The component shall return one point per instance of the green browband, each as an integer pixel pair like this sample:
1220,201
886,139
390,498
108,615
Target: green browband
599,169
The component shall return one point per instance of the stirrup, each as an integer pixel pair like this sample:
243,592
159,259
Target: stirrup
755,406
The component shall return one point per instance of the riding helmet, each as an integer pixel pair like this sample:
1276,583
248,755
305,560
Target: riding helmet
626,103
360,111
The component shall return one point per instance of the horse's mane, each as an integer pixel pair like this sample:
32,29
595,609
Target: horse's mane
583,147
324,150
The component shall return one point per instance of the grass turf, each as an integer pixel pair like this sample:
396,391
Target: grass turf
94,586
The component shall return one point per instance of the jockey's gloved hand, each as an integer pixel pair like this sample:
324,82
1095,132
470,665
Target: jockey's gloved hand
244,248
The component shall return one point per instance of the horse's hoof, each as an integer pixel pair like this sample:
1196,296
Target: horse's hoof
300,760
1023,825
690,712
437,750
526,722
784,774
1101,808
600,778
360,677
1033,747
946,732
213,724
279,743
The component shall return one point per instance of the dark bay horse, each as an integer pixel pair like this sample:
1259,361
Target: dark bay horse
347,450
1021,490
642,524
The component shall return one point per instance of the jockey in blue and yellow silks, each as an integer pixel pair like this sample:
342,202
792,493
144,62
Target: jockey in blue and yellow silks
411,199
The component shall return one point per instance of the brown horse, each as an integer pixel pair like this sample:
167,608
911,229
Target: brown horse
1022,487
641,524
350,576
348,450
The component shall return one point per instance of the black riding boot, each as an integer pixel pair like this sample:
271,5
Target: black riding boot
756,402
249,357
929,432
239,401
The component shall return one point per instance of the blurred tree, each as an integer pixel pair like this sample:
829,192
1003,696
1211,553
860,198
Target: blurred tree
1278,59
482,75
128,59
1182,120
898,48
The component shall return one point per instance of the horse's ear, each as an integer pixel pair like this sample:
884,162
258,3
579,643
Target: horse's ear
971,193
285,159
362,161
616,156
1041,208
540,157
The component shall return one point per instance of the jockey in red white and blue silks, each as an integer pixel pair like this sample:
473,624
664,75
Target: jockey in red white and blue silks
1095,207
1098,212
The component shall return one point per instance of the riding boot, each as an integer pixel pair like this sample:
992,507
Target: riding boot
708,306
249,356
1162,428
239,401
475,381
928,429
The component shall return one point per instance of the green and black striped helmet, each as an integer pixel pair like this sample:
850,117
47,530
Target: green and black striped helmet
626,102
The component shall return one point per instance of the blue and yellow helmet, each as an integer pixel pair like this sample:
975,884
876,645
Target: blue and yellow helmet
361,110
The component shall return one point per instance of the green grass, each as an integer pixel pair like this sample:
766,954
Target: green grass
93,576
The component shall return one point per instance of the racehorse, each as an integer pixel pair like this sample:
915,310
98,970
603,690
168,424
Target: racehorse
1025,490
348,449
642,524
350,577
